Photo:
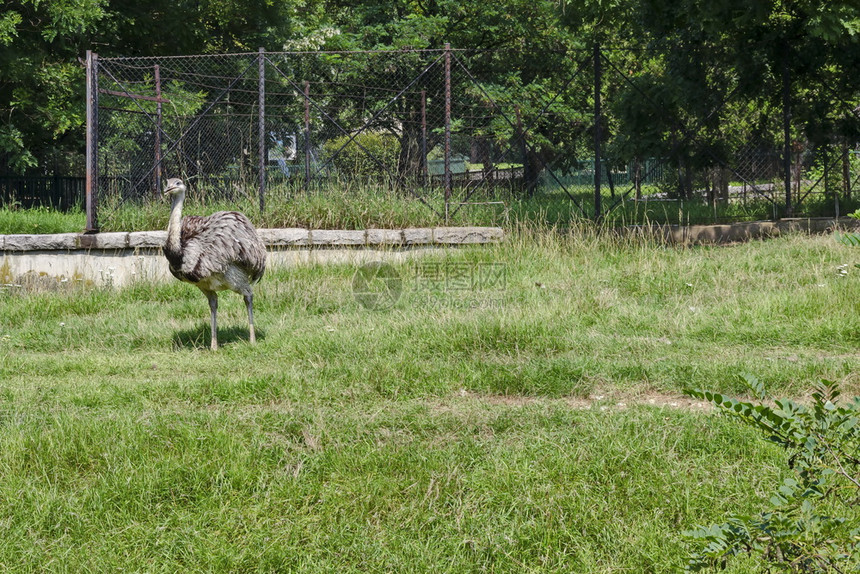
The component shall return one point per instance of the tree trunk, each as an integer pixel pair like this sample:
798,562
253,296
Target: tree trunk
711,187
637,177
722,177
610,180
687,182
409,158
481,153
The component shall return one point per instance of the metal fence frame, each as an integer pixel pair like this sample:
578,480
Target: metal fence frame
595,67
59,192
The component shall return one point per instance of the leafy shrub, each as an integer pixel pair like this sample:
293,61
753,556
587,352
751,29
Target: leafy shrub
813,524
367,154
850,238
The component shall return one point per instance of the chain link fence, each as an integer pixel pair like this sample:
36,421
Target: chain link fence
469,136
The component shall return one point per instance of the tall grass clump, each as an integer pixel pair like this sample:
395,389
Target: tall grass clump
40,220
361,203
352,205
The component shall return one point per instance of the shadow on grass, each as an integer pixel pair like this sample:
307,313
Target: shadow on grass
200,337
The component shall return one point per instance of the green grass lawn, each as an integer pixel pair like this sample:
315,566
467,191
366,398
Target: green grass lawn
471,427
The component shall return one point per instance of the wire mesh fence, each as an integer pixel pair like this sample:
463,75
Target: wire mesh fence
467,135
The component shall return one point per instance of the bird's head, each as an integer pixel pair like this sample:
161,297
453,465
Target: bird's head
174,188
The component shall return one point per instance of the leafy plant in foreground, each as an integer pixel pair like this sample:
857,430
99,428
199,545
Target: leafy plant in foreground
813,524
850,238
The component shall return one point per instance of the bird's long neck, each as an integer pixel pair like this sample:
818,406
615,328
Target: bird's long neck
174,224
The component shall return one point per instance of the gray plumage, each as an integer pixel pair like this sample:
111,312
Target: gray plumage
218,252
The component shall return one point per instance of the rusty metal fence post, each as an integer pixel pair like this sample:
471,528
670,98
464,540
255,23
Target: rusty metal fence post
786,130
307,135
447,174
425,171
92,164
598,114
261,118
158,129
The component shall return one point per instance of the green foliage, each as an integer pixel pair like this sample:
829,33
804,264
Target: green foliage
369,154
122,141
521,48
851,239
813,524
174,27
8,26
41,82
12,143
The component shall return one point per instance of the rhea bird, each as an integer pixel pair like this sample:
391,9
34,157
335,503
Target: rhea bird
216,252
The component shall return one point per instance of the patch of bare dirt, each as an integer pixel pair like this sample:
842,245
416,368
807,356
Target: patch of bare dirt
603,401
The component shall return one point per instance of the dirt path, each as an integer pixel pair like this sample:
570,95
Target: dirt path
604,401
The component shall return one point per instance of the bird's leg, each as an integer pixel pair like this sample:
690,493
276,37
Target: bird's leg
249,303
213,308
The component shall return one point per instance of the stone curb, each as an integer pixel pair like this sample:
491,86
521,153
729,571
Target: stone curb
378,237
146,239
337,238
332,238
466,235
47,242
285,237
277,238
417,236
117,240
735,232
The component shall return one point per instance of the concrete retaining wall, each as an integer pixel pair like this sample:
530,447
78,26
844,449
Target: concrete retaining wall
319,238
122,258
736,232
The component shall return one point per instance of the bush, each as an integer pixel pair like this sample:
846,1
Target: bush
812,525
369,154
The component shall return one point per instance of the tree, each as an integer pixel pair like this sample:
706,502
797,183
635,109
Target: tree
512,48
41,43
706,67
41,97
